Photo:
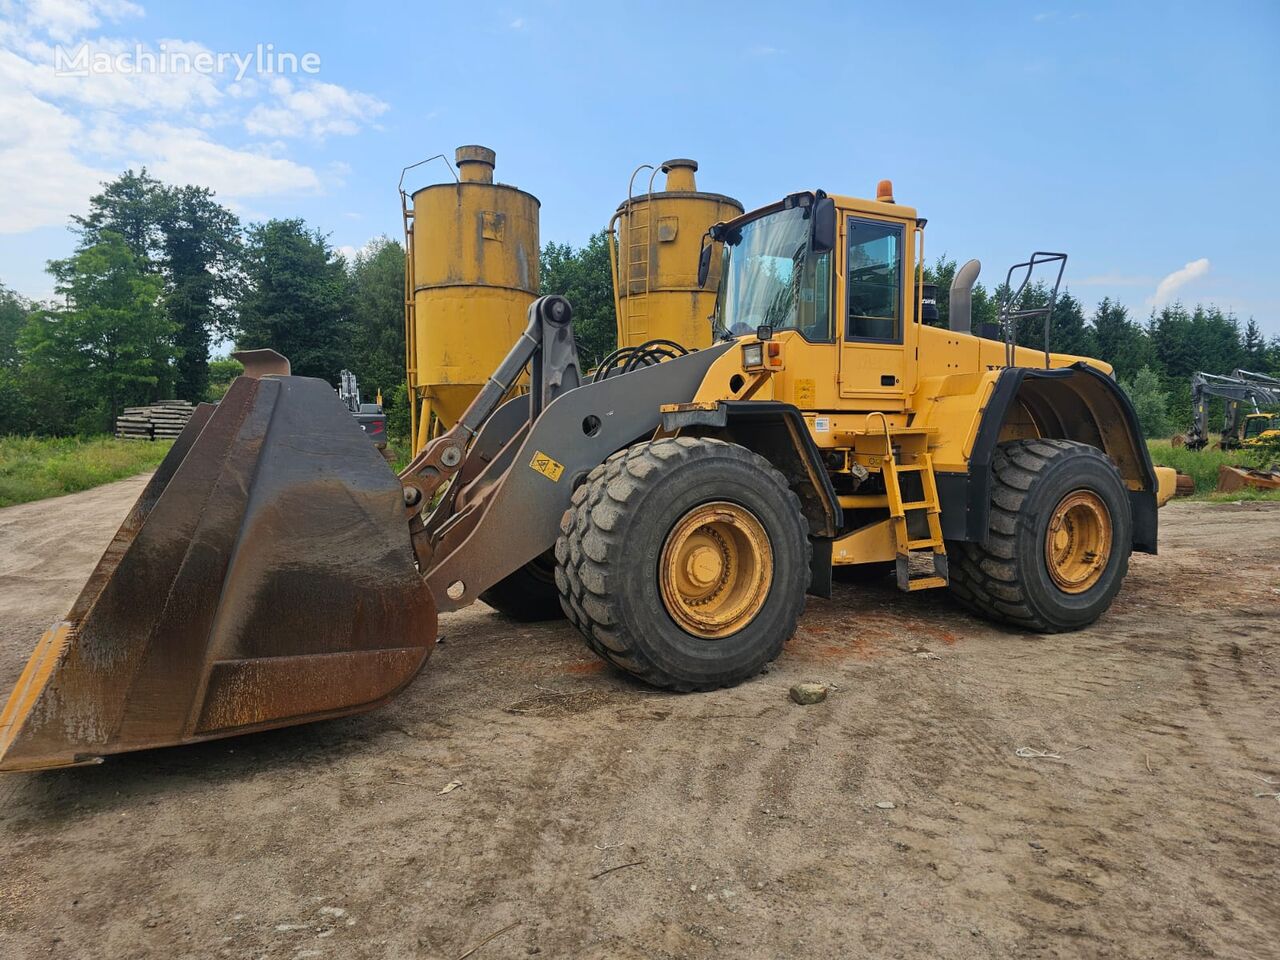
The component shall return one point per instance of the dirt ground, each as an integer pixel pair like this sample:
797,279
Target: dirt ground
596,818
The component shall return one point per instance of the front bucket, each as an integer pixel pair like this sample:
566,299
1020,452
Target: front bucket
265,577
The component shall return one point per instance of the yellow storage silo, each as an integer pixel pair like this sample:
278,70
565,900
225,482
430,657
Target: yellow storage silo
471,273
654,242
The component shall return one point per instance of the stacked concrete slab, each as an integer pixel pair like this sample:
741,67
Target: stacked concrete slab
158,421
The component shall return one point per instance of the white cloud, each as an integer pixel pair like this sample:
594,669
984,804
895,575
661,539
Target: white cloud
1171,284
315,109
65,19
43,179
62,136
187,155
517,23
370,246
35,69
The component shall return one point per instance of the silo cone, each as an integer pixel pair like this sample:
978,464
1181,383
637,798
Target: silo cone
472,273
654,242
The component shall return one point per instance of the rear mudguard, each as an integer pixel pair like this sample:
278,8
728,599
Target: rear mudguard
517,516
1078,403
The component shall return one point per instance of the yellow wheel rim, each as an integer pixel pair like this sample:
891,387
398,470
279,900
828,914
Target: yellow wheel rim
715,570
1077,544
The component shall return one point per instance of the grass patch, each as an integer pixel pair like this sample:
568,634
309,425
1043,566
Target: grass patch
401,454
1239,495
33,468
1202,466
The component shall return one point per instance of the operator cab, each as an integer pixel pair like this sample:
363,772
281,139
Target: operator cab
831,274
1256,424
850,272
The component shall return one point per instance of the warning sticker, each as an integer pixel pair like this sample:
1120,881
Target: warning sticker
806,393
546,466
821,424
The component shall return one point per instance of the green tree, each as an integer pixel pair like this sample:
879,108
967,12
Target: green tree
1150,402
129,206
942,273
297,299
583,276
200,243
102,350
1118,340
377,359
1254,347
222,371
14,311
1070,333
192,241
985,310
1202,339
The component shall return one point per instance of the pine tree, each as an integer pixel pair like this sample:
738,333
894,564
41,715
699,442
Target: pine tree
297,299
1150,402
1254,347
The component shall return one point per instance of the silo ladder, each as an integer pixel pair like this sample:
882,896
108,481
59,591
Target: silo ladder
638,271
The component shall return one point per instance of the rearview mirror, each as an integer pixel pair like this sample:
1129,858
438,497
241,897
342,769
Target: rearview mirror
822,226
704,260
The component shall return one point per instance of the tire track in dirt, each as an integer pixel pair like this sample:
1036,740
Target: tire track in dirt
755,820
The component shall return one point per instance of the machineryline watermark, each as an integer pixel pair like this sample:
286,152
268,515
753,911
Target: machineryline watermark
87,60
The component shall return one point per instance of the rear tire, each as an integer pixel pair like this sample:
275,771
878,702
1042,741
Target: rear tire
667,535
529,594
1034,578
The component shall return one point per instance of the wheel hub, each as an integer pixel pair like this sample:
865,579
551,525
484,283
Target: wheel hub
704,566
715,570
1078,541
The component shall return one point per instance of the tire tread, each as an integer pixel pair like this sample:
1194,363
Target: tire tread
590,537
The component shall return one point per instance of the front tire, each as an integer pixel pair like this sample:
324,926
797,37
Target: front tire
685,562
1059,540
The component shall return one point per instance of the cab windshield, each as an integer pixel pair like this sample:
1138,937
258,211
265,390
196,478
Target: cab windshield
769,277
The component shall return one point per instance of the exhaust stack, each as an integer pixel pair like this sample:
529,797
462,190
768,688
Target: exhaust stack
961,309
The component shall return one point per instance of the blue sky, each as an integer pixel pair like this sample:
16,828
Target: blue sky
1141,138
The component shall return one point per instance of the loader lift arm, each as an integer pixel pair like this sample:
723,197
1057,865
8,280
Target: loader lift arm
548,346
518,463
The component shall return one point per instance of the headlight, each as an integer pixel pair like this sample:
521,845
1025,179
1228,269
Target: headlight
752,355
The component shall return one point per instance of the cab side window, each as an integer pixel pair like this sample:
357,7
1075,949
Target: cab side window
874,271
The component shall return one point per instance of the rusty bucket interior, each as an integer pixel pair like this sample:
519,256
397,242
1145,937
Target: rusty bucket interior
264,577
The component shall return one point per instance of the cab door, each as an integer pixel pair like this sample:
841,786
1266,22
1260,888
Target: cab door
874,313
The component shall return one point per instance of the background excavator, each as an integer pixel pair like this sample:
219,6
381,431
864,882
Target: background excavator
1240,427
275,571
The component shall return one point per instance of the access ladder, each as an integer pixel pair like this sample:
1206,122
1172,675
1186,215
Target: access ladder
932,545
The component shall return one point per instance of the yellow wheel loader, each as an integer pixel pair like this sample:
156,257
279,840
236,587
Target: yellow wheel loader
680,505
